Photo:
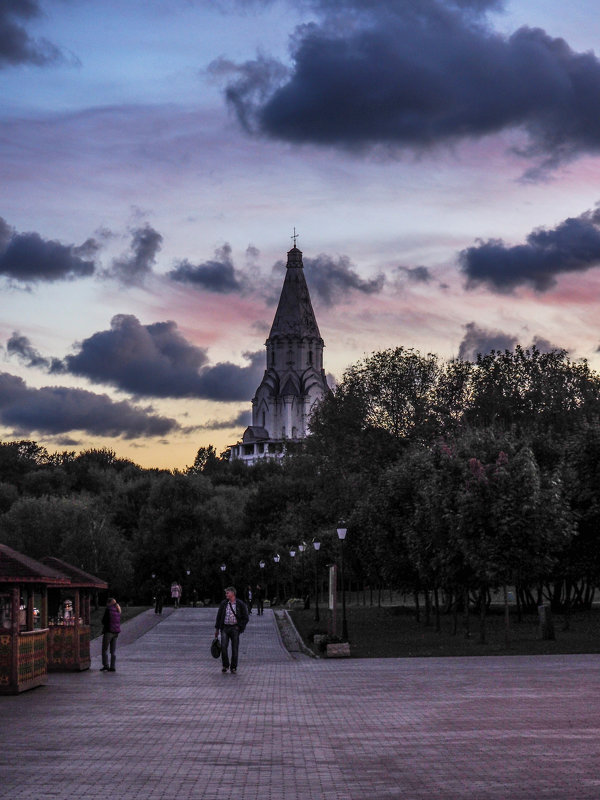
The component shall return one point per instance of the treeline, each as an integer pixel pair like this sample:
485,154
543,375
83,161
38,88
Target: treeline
453,479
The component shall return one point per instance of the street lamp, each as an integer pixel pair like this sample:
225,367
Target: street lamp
302,548
341,532
292,554
316,545
277,559
223,568
263,587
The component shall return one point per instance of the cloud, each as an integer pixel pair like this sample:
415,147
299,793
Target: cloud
217,275
21,347
573,246
481,341
27,258
134,267
16,46
478,341
157,361
243,419
413,75
415,274
57,410
332,279
154,360
545,345
227,381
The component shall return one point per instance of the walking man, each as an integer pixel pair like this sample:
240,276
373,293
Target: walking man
232,618
111,627
259,594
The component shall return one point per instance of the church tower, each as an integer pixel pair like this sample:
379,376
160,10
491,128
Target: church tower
294,378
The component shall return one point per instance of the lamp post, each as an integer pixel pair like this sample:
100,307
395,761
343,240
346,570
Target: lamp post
316,545
276,559
187,588
292,554
341,532
302,548
263,588
223,568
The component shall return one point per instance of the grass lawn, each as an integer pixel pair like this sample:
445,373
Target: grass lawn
392,632
127,612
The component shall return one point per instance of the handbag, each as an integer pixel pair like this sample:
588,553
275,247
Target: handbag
215,648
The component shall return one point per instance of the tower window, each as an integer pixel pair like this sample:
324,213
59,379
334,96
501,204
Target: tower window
310,357
263,419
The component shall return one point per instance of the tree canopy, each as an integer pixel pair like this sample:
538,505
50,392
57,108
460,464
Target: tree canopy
451,476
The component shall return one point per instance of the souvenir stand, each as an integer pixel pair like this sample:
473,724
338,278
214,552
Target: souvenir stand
69,617
24,586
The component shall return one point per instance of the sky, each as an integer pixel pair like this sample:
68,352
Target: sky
439,159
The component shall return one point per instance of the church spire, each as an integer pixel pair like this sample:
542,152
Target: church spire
294,379
294,315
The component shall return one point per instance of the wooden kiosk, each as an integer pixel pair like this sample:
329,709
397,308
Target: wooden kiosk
24,586
69,617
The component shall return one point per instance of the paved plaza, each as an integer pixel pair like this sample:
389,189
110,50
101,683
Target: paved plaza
168,725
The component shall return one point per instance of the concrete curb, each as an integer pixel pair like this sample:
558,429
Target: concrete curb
293,633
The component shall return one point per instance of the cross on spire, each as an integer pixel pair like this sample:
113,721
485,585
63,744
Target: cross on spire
295,236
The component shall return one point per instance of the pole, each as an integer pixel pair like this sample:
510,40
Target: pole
344,622
317,584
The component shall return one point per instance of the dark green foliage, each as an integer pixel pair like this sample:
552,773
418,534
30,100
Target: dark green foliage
452,478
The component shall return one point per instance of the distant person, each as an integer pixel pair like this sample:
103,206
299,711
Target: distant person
194,597
159,597
249,598
259,596
111,628
175,593
232,618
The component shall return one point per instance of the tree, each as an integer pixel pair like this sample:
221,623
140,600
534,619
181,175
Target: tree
532,390
206,461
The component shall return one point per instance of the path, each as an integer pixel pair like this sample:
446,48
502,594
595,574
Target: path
168,725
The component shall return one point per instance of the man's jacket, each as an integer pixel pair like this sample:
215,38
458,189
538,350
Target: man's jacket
241,614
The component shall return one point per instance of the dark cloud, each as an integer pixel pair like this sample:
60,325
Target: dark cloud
242,420
16,46
56,410
157,361
545,345
418,74
478,341
252,85
333,279
217,275
154,360
27,258
415,274
21,347
227,381
573,246
135,266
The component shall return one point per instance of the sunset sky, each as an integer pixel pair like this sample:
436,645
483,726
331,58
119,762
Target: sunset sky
440,161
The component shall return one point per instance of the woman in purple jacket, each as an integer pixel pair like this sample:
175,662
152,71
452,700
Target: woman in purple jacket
111,628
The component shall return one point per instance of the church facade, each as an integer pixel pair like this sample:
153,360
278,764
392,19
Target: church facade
294,378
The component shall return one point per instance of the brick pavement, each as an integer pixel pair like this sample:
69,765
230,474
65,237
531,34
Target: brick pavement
169,726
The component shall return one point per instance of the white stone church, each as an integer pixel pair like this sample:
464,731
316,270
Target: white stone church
294,379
